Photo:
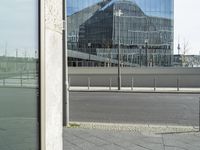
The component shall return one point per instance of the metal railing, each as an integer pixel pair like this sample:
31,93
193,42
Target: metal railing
28,79
110,83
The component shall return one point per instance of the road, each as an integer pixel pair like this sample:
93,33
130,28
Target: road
18,102
148,108
18,118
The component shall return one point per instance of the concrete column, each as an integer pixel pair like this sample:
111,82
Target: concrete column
51,59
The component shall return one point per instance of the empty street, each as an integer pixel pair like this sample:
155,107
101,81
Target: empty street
147,108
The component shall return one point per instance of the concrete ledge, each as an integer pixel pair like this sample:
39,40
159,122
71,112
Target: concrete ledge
143,128
136,90
134,71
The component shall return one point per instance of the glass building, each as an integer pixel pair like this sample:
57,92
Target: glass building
144,31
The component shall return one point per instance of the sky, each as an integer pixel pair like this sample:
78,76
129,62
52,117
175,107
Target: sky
18,25
187,25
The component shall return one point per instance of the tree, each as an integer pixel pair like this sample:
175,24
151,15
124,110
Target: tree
185,51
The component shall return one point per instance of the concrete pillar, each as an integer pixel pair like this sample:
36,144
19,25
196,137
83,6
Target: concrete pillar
51,80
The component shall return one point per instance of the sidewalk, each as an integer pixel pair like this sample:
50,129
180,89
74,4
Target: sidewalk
135,89
99,139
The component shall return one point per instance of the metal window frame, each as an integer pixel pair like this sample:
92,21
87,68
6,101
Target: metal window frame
65,75
41,46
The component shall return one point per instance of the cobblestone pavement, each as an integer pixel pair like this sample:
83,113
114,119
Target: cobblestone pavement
98,139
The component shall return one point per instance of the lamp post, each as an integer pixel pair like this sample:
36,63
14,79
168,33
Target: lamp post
16,60
118,14
89,46
146,47
140,56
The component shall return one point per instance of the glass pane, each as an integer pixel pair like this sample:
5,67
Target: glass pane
19,127
128,46
94,31
136,37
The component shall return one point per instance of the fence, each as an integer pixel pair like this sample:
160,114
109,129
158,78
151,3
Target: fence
28,79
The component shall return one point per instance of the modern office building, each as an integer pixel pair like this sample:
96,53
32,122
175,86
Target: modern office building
144,29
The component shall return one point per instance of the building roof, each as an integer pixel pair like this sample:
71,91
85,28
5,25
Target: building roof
117,1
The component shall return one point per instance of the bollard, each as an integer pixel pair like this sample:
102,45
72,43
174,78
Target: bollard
178,84
88,83
110,84
69,83
27,75
132,83
199,114
67,106
154,84
4,82
21,82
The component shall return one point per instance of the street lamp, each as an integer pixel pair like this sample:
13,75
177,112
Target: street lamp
118,14
16,60
140,48
146,47
89,46
35,54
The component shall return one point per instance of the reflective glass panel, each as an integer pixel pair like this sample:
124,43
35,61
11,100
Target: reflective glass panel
144,31
19,126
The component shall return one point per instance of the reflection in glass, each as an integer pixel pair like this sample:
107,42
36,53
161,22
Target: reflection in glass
92,36
19,75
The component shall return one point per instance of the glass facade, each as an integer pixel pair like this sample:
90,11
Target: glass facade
144,32
19,122
160,8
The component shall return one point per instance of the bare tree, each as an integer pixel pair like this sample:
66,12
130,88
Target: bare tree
186,47
185,51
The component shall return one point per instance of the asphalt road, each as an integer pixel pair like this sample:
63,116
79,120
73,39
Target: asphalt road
178,109
18,102
18,119
148,108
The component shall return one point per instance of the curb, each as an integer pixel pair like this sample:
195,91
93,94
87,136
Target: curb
142,128
116,91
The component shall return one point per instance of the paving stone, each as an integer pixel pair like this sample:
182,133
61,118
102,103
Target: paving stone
113,147
95,139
